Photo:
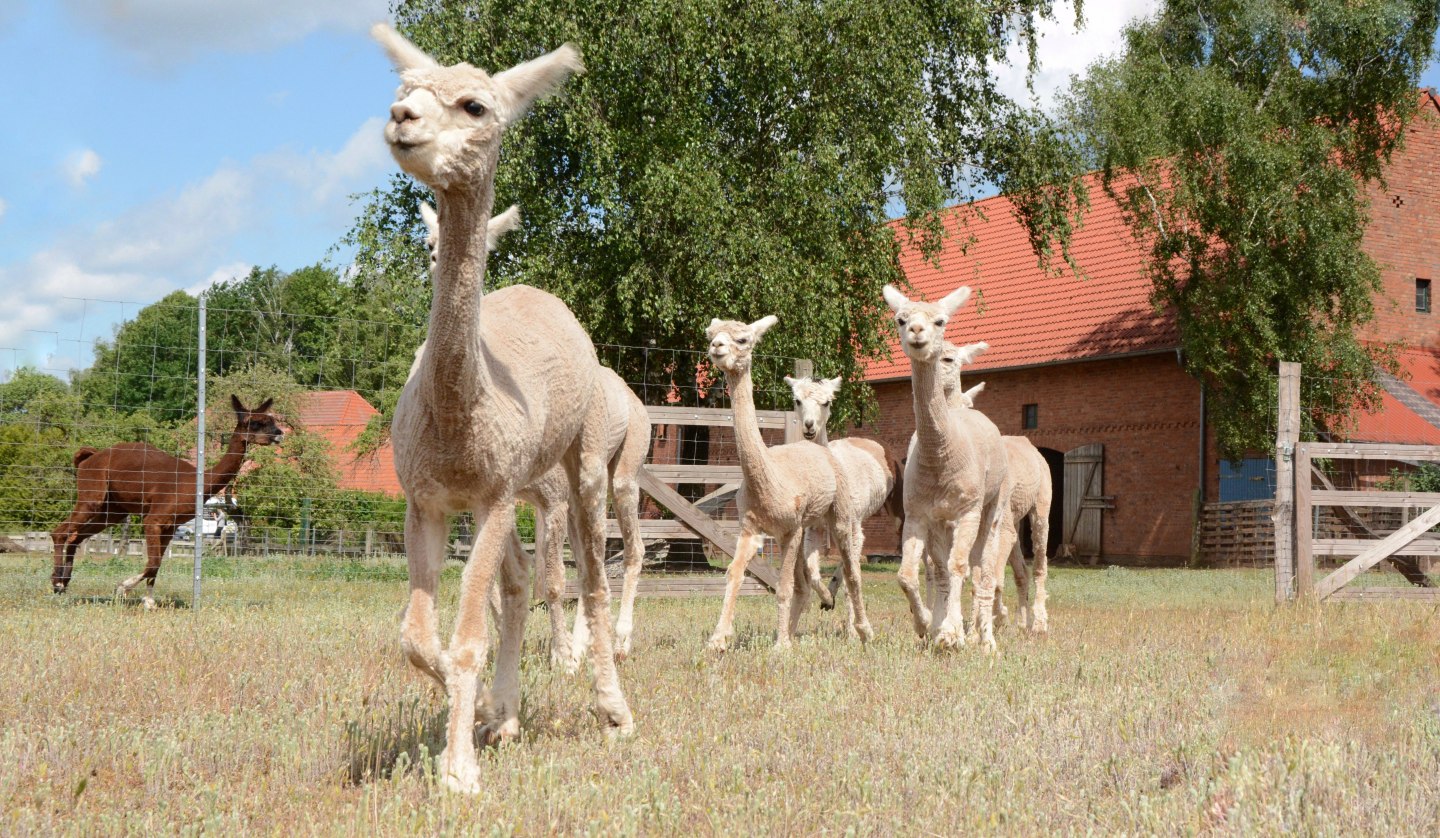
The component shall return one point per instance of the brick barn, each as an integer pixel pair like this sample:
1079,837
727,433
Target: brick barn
1091,372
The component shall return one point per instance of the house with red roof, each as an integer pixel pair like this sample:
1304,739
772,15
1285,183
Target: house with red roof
1091,372
339,417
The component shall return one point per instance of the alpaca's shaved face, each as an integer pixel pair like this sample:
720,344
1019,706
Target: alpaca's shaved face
922,325
733,342
950,364
812,402
445,126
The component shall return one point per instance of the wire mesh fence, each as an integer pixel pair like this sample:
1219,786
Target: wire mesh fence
327,484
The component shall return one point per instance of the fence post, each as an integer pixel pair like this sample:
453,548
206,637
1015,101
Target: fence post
1304,525
804,368
199,456
1287,433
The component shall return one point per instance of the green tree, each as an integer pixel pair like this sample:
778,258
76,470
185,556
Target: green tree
1239,137
734,160
150,363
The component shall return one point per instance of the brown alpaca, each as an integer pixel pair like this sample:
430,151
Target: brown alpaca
136,478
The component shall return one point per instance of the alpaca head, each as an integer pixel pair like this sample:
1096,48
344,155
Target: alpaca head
446,122
922,324
953,358
257,426
499,226
812,402
967,398
732,342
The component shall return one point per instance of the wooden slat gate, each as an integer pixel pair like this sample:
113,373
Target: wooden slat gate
1084,499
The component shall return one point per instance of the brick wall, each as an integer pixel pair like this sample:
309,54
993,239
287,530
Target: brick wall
1403,219
1145,410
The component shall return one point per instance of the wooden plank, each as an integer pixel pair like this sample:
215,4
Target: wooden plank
695,473
1287,434
679,585
1304,524
705,526
1374,451
653,528
1408,500
712,416
1375,554
1354,547
1409,592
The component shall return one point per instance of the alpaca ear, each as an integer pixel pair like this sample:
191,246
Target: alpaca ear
431,219
970,351
895,299
518,87
761,326
500,225
792,381
264,406
403,54
832,384
951,302
235,403
714,324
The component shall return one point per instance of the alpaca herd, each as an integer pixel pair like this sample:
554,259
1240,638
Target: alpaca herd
506,401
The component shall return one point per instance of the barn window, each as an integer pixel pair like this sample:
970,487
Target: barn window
1030,416
1422,296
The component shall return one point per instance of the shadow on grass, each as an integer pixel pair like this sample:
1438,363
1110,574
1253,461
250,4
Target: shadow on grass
392,739
171,601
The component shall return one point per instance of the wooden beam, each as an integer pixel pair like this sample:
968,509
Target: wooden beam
695,473
1374,451
1375,554
1409,500
705,526
712,416
1372,594
1304,524
653,528
1287,433
1356,546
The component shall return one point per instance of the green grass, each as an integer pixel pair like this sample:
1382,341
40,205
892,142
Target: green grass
1165,701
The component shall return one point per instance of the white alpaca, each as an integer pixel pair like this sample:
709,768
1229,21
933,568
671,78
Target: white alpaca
955,485
870,472
628,441
1030,498
494,403
786,490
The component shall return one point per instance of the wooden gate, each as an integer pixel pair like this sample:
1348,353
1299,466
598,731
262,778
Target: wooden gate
1084,499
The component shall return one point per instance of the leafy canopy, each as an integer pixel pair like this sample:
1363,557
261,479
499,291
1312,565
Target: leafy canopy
733,159
1240,137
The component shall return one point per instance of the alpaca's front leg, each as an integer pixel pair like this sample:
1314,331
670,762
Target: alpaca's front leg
987,558
469,646
425,533
811,549
854,545
937,570
551,519
502,715
951,632
912,553
627,512
745,548
587,504
785,591
804,582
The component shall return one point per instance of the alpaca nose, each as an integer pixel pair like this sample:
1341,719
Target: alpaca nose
403,112
917,329
809,424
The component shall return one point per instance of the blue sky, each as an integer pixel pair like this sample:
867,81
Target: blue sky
156,145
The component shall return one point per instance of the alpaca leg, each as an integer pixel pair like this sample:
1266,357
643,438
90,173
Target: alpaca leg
154,550
580,637
811,550
469,646
854,545
937,555
1023,590
588,505
784,594
996,541
553,519
803,584
1039,534
502,711
627,510
425,536
912,553
745,548
84,522
966,531
833,587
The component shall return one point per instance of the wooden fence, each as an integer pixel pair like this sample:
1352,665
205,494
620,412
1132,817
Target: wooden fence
1238,533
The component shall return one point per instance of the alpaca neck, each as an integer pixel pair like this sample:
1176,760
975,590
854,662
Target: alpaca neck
217,478
755,464
823,435
454,360
932,417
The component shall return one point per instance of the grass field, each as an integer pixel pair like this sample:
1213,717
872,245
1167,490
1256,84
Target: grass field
1164,701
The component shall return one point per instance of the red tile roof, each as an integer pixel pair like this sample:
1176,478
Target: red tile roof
339,416
1027,316
1410,407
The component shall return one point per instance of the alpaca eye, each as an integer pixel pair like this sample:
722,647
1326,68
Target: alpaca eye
824,404
940,322
474,108
742,340
900,320
948,360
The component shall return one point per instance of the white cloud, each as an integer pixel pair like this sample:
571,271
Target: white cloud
3,207
327,178
80,166
163,33
224,273
1065,51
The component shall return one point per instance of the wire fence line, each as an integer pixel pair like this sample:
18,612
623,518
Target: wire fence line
329,485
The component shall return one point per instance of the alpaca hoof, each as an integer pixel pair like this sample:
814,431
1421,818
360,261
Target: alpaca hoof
718,643
622,647
1040,626
622,728
120,593
496,733
865,632
148,603
950,638
457,777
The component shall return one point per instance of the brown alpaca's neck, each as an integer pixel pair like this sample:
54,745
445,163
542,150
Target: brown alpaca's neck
217,478
932,418
755,464
454,360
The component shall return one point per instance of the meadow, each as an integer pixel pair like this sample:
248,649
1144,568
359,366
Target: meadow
1164,701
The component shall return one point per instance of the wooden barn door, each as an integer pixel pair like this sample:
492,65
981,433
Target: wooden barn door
1084,498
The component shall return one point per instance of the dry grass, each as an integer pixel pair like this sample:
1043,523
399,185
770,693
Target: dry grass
1166,702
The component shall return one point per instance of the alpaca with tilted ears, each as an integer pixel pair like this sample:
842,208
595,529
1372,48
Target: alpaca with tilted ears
504,391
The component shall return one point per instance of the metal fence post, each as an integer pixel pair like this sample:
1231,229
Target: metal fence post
199,529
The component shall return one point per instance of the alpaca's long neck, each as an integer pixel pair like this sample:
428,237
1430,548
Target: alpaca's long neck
454,361
760,473
219,477
933,428
823,435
